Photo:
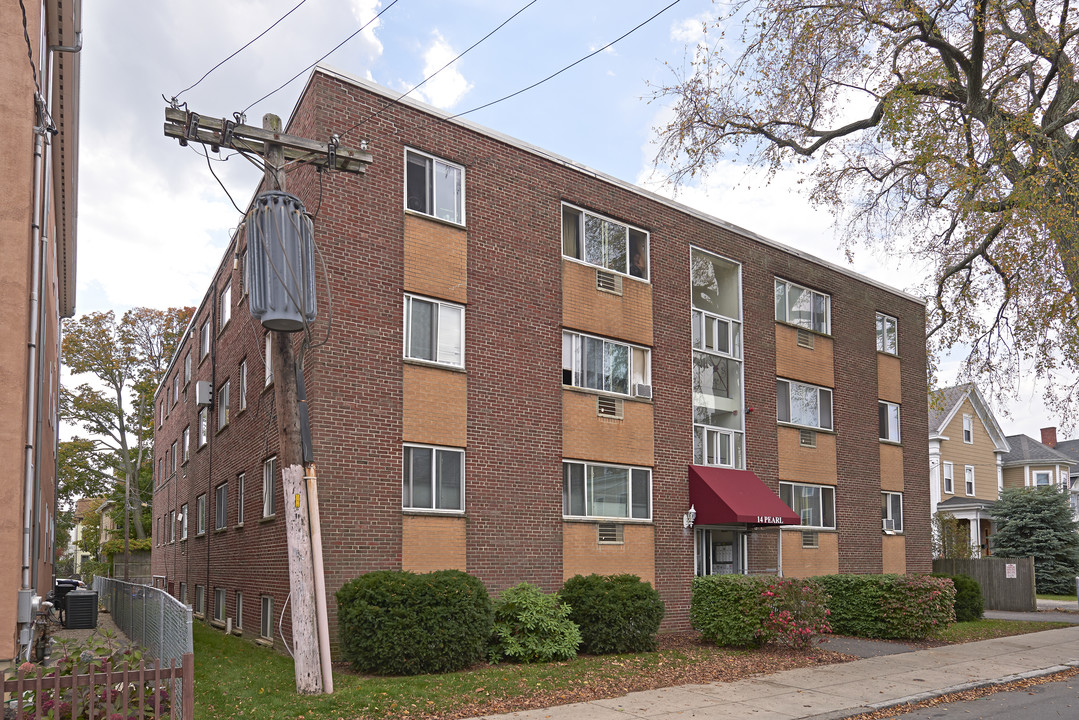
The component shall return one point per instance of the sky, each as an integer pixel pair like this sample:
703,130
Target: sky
153,221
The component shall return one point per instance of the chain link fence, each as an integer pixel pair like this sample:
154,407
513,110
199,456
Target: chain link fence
148,616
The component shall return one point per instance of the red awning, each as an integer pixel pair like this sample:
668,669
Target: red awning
722,495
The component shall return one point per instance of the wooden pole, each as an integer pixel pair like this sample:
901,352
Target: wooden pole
301,580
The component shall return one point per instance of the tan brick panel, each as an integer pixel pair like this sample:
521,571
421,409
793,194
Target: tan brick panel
891,467
583,555
817,465
587,436
433,543
798,363
626,317
435,408
894,552
806,562
889,382
436,259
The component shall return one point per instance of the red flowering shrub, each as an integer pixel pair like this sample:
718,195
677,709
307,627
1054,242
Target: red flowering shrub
797,613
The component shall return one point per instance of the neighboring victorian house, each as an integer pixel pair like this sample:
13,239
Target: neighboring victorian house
967,451
83,507
1034,464
1069,448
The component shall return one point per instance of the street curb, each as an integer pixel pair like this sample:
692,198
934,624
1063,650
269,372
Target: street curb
912,699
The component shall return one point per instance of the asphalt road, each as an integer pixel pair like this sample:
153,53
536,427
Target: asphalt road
1048,701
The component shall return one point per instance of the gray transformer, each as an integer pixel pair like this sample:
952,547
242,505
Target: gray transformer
280,263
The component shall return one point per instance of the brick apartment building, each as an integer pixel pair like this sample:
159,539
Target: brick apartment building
525,369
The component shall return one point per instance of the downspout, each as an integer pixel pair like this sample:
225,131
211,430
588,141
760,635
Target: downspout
211,432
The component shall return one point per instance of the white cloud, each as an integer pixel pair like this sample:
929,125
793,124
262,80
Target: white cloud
448,87
691,30
363,11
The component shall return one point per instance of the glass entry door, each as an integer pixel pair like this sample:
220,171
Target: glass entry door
720,552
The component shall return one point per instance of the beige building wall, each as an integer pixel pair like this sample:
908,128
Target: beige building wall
589,436
894,554
806,464
436,259
626,316
980,454
429,543
582,554
794,362
435,406
806,562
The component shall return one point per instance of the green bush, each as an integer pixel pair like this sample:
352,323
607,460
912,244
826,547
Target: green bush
797,612
727,609
969,604
400,623
888,606
616,613
531,626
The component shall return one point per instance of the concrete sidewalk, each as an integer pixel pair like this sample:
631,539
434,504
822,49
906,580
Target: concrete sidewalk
839,691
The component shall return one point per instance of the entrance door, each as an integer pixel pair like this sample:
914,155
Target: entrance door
720,552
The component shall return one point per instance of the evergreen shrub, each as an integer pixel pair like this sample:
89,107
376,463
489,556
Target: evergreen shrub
615,613
401,623
727,609
531,626
889,606
969,604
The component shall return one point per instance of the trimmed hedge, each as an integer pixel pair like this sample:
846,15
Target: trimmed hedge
399,623
531,626
888,606
727,609
969,604
616,613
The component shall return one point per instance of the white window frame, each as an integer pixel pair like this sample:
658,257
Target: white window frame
223,406
703,321
434,184
408,480
586,492
269,486
442,333
187,368
226,305
574,346
968,429
172,523
239,623
200,600
968,480
183,593
579,216
1048,474
266,617
949,478
219,604
183,522
783,312
172,460
186,442
204,340
821,391
887,334
204,426
243,385
175,388
889,413
268,362
711,444
888,509
241,480
200,515
221,506
788,488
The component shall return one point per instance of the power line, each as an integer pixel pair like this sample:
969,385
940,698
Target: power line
331,52
577,62
400,97
246,45
29,49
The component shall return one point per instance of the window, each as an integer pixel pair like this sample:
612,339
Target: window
172,466
968,429
221,495
949,475
186,442
172,523
801,404
161,530
160,470
606,491
433,478
223,406
598,364
434,331
204,340
243,385
226,304
183,593
183,522
200,600
889,421
266,627
434,187
187,368
244,280
803,307
268,361
240,479
239,610
891,511
269,477
887,335
712,446
204,429
1043,477
175,388
815,504
168,463
968,475
219,604
604,243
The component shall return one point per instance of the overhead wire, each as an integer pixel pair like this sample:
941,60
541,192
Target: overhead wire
331,52
400,97
246,45
29,48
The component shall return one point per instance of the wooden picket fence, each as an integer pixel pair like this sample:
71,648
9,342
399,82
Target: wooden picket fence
99,694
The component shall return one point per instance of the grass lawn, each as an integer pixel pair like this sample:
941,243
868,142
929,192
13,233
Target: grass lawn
235,678
1065,598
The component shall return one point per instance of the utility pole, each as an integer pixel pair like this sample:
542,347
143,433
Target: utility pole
277,148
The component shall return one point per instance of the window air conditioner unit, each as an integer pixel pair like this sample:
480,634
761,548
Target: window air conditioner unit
642,391
889,525
204,394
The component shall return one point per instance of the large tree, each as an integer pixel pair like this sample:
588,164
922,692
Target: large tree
122,362
946,129
1038,522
